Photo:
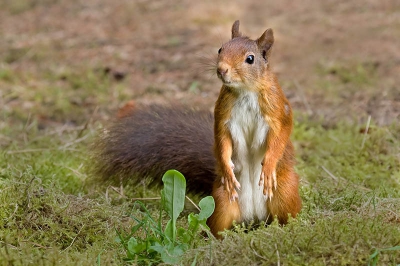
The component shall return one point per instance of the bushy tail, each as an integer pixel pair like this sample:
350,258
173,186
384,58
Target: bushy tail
150,141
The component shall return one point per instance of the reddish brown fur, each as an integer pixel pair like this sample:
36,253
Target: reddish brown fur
225,211
286,197
279,155
223,141
127,109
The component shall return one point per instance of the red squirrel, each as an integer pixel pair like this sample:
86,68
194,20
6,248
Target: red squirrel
253,122
246,163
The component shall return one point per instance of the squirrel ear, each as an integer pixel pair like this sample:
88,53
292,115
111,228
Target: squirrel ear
266,41
235,30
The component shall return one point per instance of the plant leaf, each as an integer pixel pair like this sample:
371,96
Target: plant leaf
193,220
184,235
135,247
173,198
173,254
169,230
157,247
207,206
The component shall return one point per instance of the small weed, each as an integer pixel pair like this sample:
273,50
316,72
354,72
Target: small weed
152,244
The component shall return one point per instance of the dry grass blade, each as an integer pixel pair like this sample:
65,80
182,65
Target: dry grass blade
194,204
366,132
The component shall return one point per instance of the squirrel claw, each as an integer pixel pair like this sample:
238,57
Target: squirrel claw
274,179
237,184
231,186
232,166
232,194
269,182
261,182
268,196
233,197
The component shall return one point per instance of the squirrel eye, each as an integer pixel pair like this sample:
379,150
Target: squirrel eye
219,50
250,59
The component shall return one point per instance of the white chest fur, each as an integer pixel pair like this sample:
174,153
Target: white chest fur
249,130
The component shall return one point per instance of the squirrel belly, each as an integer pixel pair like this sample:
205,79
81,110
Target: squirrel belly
148,141
248,130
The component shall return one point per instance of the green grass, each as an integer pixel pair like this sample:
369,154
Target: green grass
350,194
50,214
355,73
339,154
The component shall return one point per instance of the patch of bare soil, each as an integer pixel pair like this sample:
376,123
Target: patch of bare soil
165,49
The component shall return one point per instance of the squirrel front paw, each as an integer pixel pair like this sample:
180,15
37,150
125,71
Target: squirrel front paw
230,183
268,180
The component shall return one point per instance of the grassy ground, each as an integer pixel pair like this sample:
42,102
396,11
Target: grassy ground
66,67
350,193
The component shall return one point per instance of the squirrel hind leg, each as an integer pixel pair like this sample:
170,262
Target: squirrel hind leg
225,212
286,199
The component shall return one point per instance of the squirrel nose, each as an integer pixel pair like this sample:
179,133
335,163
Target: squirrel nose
222,71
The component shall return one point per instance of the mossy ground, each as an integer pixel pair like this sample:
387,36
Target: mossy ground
64,74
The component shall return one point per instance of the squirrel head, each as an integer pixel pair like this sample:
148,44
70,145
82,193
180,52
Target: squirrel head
242,62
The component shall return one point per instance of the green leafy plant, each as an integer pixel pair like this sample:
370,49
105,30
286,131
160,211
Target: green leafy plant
148,242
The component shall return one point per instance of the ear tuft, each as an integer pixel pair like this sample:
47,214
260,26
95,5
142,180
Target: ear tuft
266,41
235,30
